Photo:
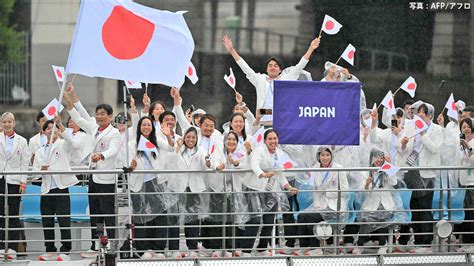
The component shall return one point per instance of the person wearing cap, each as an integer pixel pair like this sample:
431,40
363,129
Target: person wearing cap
263,83
325,205
423,149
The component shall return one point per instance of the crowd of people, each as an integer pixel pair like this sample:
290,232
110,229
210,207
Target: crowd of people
246,203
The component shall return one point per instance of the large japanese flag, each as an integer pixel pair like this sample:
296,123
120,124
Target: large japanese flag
120,39
330,25
451,107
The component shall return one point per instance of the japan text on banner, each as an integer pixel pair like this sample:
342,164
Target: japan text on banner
317,113
123,40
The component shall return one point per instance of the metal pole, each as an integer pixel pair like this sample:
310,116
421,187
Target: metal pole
336,237
224,211
6,215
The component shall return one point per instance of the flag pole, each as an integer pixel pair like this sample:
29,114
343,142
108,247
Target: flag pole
146,88
73,78
393,95
338,59
61,93
320,32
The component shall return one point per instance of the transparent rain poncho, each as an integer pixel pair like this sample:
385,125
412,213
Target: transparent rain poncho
151,201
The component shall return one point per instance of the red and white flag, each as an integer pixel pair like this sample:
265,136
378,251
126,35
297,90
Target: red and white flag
451,107
230,79
390,169
409,86
191,73
52,108
123,40
284,161
257,138
330,25
349,54
59,73
133,85
420,125
145,145
238,155
389,104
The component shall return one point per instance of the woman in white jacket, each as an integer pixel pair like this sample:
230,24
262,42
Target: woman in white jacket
325,204
55,157
14,156
149,204
192,205
467,177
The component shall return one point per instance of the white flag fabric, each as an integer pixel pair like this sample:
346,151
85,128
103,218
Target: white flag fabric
120,39
389,104
284,161
192,74
451,107
59,73
230,79
348,54
420,125
409,86
132,84
390,169
330,25
145,145
238,155
52,108
257,138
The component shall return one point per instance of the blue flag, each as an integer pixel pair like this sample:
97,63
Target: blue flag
317,113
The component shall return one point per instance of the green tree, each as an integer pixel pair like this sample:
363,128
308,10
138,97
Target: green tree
11,41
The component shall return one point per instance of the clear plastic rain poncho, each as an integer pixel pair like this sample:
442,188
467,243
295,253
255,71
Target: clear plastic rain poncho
378,205
150,201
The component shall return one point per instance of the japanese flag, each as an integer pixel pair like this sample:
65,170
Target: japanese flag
284,161
133,85
230,79
409,86
145,145
238,155
420,125
257,138
191,73
52,108
390,169
451,107
348,54
212,148
389,104
330,25
59,73
121,39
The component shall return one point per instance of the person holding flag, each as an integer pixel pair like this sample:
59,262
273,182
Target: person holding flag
263,83
421,143
148,201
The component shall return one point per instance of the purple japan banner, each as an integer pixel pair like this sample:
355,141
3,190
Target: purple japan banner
317,113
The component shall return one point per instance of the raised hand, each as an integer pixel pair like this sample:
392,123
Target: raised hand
227,42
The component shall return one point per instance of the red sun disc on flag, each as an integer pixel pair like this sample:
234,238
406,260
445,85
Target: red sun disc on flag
390,104
212,149
59,74
386,166
129,83
329,25
231,80
190,71
287,165
411,86
149,145
117,37
51,110
419,124
453,106
350,55
259,138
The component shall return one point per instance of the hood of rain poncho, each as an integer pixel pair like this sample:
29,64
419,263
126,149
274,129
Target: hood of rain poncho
387,119
195,113
304,75
363,113
321,150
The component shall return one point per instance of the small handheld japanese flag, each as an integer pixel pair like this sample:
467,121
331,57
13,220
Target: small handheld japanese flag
191,73
388,103
420,125
348,54
145,145
451,107
409,86
238,155
133,85
330,25
230,79
257,138
284,161
52,108
59,73
390,169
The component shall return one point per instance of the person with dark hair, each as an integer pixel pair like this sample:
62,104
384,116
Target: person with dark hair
81,144
38,140
422,149
14,156
55,156
406,108
388,140
263,83
168,120
149,198
468,111
106,143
